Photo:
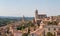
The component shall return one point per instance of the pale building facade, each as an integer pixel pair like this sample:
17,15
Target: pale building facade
54,29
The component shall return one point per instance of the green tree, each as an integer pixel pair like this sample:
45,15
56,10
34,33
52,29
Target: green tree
20,27
54,34
25,34
52,23
49,34
38,25
30,24
28,30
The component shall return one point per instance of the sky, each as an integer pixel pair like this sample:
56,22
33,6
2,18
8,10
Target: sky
18,8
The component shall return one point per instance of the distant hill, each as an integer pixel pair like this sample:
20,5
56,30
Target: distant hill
4,20
17,18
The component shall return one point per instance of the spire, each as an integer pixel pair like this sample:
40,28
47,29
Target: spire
23,18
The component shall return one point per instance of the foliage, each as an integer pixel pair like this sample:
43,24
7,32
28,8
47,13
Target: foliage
30,24
52,23
49,34
23,26
38,25
54,34
25,34
20,27
5,21
28,30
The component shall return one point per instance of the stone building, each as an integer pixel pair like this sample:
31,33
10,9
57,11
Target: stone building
39,17
54,29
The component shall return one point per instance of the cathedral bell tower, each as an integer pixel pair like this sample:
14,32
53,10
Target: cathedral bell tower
36,15
23,20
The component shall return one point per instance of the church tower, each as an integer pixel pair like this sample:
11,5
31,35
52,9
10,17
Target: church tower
23,19
36,15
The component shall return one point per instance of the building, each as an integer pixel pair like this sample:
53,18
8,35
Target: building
23,19
39,17
54,29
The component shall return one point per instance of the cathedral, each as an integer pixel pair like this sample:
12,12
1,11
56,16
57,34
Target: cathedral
39,17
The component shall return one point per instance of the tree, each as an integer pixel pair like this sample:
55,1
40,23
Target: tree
28,30
31,24
49,34
25,34
20,27
52,23
38,25
54,34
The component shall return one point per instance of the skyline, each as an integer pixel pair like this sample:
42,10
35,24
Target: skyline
22,7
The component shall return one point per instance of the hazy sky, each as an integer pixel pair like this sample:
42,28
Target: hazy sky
28,7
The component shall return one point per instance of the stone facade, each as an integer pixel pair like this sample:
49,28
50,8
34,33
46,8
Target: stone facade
52,28
39,17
